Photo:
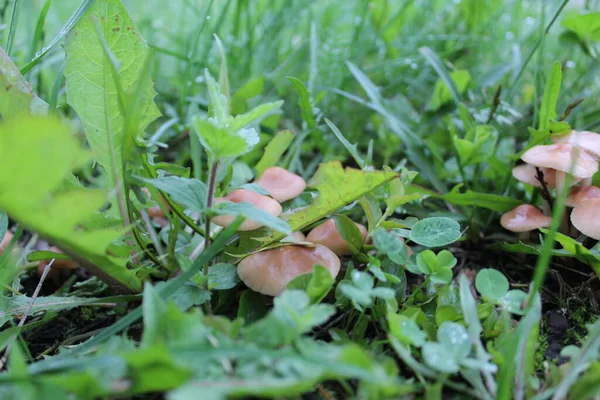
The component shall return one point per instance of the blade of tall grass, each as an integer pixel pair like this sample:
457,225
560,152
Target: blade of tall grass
39,30
439,67
12,25
537,45
61,34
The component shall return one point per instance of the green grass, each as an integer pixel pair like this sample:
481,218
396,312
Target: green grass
429,104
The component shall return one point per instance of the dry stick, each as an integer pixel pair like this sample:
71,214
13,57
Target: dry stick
28,310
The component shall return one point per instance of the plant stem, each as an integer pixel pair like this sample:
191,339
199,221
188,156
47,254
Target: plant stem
212,181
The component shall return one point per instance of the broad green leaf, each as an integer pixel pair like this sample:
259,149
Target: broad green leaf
219,103
478,145
456,340
222,142
251,212
154,310
90,83
578,250
304,102
442,275
439,357
252,306
17,94
40,153
585,25
406,330
513,301
274,150
258,112
490,201
316,284
435,232
337,188
550,97
491,284
349,232
222,276
442,94
190,193
252,88
391,244
292,315
15,306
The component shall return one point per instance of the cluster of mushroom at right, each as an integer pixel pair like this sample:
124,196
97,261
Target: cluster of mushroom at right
548,167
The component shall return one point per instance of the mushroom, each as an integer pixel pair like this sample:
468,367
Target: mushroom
247,196
585,218
527,173
281,183
581,193
524,218
586,140
564,158
328,235
269,271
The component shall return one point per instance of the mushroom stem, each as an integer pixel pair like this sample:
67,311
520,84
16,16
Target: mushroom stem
587,181
546,207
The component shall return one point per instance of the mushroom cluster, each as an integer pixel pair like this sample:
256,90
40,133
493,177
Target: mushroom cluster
576,154
270,271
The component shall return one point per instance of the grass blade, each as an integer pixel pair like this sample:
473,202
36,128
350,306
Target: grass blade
12,26
439,67
63,32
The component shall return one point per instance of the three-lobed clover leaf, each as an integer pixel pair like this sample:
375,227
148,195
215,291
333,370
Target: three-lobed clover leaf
450,351
361,290
437,267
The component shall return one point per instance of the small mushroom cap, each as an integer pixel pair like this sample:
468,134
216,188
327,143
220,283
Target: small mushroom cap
588,141
585,218
281,183
155,211
257,200
5,240
328,235
524,218
560,156
269,271
527,173
57,264
581,193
